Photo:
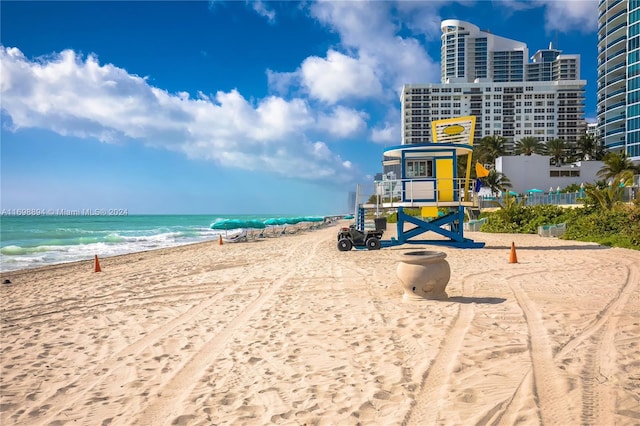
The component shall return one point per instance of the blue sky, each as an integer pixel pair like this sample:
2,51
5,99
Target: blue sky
229,107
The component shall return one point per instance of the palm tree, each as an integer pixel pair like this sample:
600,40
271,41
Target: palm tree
529,145
462,166
611,195
600,151
571,152
617,164
556,148
605,198
587,147
490,148
496,181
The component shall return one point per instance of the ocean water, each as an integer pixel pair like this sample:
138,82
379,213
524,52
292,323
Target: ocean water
33,241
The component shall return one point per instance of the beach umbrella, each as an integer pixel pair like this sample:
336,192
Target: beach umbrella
314,219
535,191
276,221
226,224
512,193
293,220
220,224
272,221
256,224
349,216
311,220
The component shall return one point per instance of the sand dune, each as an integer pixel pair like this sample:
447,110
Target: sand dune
291,331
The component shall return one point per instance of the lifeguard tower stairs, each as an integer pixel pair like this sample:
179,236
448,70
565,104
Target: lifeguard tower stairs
429,181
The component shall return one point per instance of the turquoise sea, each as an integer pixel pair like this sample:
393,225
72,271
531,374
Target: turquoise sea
33,241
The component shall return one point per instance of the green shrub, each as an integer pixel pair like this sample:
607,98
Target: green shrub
574,187
522,219
619,227
393,217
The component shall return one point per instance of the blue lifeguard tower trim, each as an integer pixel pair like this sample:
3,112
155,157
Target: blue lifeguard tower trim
455,236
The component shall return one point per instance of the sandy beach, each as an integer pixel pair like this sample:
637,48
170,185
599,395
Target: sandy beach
289,330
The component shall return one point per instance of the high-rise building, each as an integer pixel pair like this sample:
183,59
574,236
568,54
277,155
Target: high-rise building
619,75
351,201
491,77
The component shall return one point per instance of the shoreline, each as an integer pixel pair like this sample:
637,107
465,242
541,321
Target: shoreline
27,245
290,331
90,262
3,274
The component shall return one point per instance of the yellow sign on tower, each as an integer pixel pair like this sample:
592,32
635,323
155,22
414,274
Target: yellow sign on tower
454,130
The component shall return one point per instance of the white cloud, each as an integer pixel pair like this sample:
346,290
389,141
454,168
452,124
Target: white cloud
371,30
281,82
422,18
71,96
261,9
339,77
570,15
563,15
343,122
372,62
386,134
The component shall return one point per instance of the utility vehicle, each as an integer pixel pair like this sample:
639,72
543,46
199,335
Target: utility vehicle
351,237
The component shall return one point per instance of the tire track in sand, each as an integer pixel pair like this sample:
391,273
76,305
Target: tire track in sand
168,403
549,387
598,397
428,401
73,393
598,403
77,306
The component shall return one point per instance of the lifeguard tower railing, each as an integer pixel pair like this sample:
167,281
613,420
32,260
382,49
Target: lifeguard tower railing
422,192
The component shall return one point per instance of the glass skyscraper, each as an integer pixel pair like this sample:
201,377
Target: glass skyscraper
619,75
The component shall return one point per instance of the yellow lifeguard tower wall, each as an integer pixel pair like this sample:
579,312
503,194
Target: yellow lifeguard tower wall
444,185
452,131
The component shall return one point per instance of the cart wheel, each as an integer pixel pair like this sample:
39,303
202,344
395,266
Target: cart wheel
344,245
373,244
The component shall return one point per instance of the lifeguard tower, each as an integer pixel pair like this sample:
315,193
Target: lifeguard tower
429,181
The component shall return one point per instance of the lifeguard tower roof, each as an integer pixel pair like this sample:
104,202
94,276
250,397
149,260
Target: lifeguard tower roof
435,149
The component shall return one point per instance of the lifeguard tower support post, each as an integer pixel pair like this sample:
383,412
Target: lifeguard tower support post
429,181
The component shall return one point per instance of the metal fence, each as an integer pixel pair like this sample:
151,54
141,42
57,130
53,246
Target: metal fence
555,198
552,230
564,198
474,225
568,198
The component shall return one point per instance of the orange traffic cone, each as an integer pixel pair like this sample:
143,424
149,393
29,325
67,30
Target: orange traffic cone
220,240
512,257
96,264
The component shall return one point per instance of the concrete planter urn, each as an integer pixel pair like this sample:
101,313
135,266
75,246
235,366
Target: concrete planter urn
423,275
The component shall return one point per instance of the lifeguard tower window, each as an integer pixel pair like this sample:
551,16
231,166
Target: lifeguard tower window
419,168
